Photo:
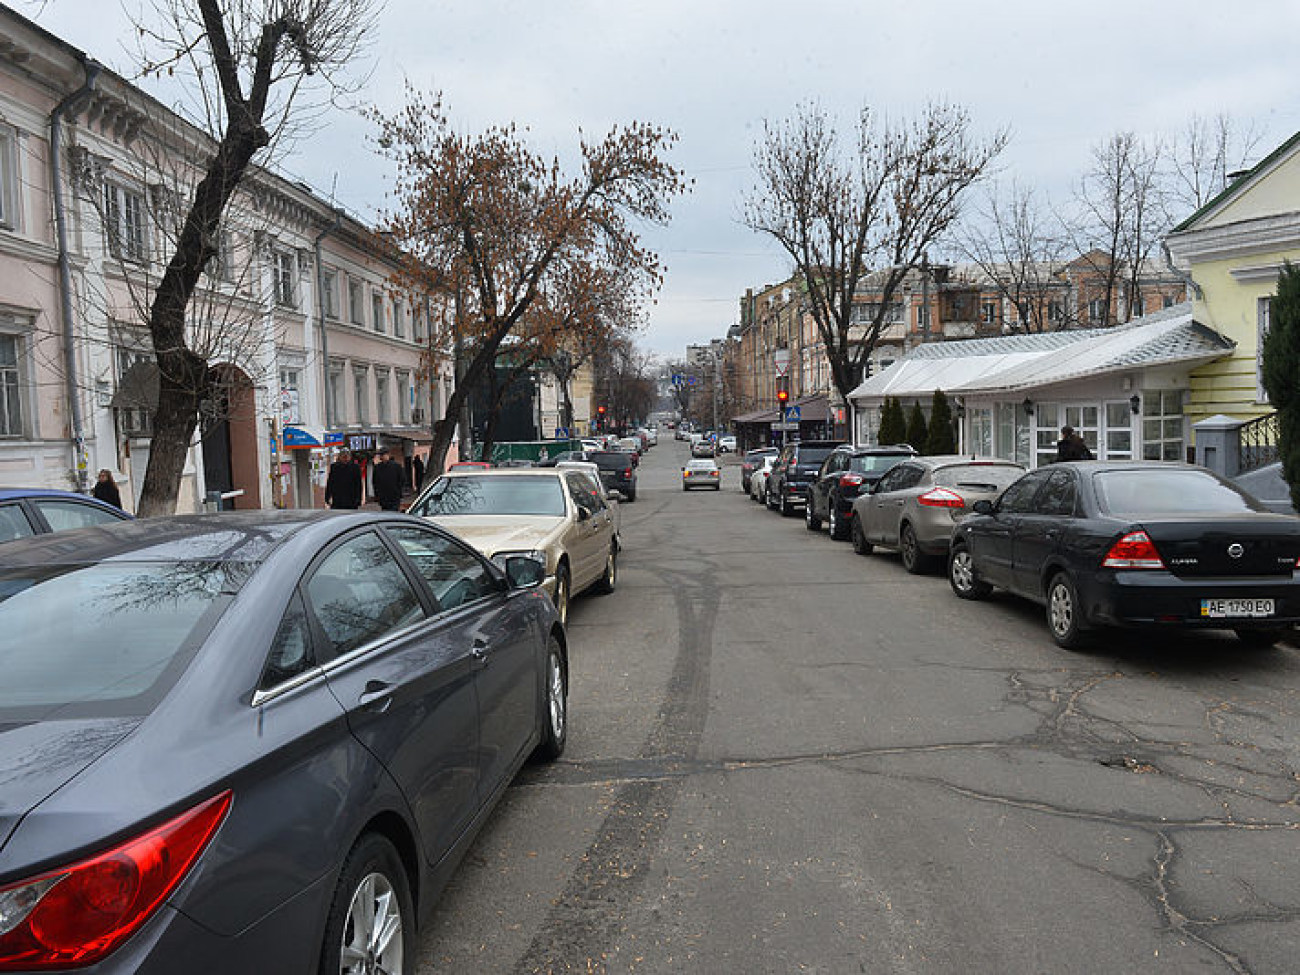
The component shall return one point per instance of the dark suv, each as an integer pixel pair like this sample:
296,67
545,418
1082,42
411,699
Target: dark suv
846,473
617,471
794,470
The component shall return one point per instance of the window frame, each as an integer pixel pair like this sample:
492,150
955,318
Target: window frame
284,274
11,216
119,200
18,388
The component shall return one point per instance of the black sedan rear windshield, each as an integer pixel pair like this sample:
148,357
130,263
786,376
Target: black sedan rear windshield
105,639
1149,490
813,455
493,494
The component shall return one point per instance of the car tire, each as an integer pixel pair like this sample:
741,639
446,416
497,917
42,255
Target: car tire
784,505
961,575
555,716
563,593
1064,613
631,496
860,543
914,560
767,499
1259,639
609,580
810,520
838,532
372,871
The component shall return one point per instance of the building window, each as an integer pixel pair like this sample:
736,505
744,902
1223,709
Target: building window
980,420
418,313
359,390
221,266
11,400
1168,301
1055,311
404,397
124,225
988,312
1162,424
1263,320
381,398
286,274
290,411
923,316
8,178
1096,310
329,288
1119,431
377,311
335,393
399,326
356,302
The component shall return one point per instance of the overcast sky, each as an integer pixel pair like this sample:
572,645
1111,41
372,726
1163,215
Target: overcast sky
1060,77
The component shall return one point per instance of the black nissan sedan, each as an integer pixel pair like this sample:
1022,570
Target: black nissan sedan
1134,544
256,742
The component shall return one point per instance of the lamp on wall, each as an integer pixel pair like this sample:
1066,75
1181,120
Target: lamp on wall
1135,403
961,410
1028,406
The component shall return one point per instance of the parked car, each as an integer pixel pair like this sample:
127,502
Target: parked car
630,445
750,462
915,505
40,511
703,447
847,472
617,471
758,479
701,473
795,468
727,444
1134,544
552,514
592,470
261,736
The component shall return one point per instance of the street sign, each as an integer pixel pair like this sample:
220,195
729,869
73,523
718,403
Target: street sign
787,426
792,414
781,360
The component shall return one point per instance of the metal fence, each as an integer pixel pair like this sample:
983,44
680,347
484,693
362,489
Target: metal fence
1257,443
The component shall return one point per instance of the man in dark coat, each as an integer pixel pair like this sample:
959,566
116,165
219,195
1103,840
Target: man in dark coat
1071,446
343,486
387,479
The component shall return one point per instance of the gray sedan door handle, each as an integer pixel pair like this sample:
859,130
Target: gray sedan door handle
377,696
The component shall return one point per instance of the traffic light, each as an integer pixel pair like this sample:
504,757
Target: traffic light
782,390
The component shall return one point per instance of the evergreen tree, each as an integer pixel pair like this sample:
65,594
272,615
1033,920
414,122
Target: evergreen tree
893,427
1281,373
917,433
941,439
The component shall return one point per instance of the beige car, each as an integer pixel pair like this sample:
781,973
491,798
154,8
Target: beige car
555,515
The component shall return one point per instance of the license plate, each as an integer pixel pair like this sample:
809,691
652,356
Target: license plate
1224,608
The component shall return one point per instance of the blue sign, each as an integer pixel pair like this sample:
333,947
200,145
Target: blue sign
561,433
792,414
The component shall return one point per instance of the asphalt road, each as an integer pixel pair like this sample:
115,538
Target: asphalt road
784,757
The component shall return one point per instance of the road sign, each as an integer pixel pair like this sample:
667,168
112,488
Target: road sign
787,426
781,360
792,414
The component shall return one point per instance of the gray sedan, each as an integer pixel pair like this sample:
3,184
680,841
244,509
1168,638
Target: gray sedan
914,507
258,741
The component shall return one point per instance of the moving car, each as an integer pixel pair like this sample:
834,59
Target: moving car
758,479
551,514
750,462
796,467
39,511
617,472
702,447
914,506
727,444
1134,544
847,472
701,473
259,741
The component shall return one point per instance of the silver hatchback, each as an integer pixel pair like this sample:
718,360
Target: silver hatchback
914,507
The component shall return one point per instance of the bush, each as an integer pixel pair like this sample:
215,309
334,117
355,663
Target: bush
941,439
1281,373
917,433
893,427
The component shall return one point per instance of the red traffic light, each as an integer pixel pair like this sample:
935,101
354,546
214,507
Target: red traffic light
783,395
600,409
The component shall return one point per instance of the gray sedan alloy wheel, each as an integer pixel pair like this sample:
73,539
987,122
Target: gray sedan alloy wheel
372,916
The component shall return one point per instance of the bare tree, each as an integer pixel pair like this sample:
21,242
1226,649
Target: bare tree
250,64
1020,248
879,208
1202,157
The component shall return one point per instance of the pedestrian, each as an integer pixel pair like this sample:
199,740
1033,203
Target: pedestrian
105,489
343,486
387,481
418,466
1071,446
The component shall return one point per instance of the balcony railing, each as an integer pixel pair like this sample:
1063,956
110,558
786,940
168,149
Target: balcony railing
1257,443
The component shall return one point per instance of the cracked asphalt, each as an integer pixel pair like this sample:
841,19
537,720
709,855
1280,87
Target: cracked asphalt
784,757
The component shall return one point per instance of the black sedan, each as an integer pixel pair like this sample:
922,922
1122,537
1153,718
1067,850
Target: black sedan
258,741
1134,544
846,473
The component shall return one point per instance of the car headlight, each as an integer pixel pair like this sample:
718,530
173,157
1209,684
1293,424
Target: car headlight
537,555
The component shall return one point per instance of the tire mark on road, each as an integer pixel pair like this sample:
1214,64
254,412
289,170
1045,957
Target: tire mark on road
588,916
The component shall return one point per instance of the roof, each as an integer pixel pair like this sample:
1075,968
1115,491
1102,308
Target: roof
1239,185
1016,363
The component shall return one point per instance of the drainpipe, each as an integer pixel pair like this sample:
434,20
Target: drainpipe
1193,288
71,383
320,315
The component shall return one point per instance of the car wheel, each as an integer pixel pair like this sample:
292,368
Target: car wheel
784,506
961,575
610,579
810,520
860,543
631,496
914,560
838,532
562,593
555,730
1064,614
371,921
1261,639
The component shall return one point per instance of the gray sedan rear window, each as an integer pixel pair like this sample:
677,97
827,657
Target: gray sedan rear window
104,639
982,477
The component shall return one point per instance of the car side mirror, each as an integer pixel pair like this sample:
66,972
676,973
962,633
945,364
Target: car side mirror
524,572
983,507
583,513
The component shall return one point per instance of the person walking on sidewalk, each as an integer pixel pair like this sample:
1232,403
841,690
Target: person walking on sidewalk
343,486
1071,446
387,479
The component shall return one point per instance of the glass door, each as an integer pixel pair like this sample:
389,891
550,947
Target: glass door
1119,431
